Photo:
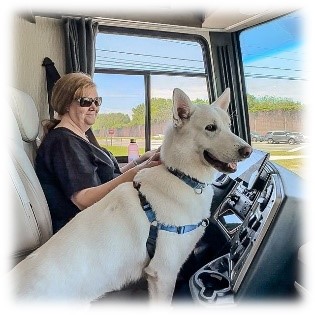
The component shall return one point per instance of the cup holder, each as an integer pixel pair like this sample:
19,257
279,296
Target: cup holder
212,284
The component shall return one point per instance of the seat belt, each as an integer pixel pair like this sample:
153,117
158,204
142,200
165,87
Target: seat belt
52,76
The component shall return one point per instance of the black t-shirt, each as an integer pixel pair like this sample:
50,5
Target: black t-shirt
65,164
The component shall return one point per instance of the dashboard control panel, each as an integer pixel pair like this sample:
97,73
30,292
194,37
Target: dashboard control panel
244,216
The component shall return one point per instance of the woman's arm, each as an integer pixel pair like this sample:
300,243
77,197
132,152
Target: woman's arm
87,197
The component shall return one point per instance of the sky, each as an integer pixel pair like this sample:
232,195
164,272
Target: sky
122,92
272,53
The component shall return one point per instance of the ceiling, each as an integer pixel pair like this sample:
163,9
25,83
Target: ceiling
217,19
234,20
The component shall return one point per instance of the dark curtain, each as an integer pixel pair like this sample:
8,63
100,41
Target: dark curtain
80,34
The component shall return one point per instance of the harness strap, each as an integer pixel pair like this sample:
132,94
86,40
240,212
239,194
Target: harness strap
190,181
151,241
155,225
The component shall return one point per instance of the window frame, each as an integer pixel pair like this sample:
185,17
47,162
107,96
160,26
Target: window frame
147,74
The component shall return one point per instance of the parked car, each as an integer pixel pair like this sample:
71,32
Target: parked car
255,137
283,137
304,138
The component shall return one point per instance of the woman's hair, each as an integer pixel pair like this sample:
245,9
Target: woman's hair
65,90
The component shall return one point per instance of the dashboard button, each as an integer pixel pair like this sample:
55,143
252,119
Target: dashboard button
243,234
251,221
246,241
256,225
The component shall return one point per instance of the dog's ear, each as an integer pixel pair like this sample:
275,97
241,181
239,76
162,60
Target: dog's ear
181,107
224,100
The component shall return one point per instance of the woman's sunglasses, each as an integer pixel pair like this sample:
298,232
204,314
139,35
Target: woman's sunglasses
88,101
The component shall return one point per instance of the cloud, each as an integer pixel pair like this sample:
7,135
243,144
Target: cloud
163,86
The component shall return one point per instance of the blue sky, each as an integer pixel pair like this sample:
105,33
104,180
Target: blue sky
138,52
272,54
131,52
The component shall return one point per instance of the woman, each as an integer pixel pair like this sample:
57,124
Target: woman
74,173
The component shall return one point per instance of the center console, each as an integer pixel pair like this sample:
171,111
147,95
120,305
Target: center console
244,215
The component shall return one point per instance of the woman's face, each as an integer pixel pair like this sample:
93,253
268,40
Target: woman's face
84,117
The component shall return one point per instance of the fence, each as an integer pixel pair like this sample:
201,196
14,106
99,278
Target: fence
260,122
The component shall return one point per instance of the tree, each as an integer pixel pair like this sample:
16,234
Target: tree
138,113
161,111
271,103
200,101
111,121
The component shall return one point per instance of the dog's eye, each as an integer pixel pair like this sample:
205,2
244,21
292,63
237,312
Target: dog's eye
211,127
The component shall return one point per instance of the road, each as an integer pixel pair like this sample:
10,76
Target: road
298,150
281,147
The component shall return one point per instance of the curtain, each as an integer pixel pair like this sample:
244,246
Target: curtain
80,35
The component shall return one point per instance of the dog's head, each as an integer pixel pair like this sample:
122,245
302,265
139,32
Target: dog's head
200,137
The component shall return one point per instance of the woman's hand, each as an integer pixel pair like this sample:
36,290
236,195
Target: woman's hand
147,155
153,160
148,159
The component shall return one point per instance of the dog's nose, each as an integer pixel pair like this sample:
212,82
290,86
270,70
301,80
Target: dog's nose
245,152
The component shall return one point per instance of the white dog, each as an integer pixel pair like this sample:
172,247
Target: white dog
104,247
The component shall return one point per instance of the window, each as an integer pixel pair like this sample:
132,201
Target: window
272,56
136,75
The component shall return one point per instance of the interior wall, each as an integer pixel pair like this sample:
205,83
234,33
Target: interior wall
32,42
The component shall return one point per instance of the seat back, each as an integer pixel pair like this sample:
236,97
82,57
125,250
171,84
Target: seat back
26,115
30,215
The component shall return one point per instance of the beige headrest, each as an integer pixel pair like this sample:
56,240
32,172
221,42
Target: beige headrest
26,115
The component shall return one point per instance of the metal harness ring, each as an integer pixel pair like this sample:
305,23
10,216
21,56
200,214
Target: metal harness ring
205,222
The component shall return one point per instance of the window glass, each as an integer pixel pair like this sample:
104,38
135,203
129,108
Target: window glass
121,116
272,55
129,70
161,102
130,52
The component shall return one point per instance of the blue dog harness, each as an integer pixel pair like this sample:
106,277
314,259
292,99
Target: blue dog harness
155,225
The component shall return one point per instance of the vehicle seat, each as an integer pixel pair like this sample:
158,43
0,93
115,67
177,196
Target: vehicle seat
29,212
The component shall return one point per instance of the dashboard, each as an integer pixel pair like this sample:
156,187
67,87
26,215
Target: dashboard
257,214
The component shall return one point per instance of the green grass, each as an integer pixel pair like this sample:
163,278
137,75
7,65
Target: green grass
294,165
121,151
116,149
286,153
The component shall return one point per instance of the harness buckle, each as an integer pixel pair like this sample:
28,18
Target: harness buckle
180,229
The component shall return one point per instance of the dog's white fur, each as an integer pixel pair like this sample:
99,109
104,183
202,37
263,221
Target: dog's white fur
104,247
